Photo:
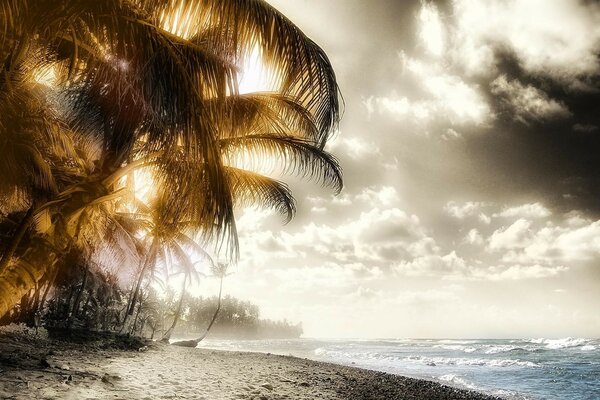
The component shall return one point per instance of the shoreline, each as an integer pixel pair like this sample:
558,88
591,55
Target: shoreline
51,369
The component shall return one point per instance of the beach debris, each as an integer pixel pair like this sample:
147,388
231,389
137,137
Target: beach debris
110,379
143,348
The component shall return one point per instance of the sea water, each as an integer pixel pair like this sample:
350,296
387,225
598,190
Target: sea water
513,369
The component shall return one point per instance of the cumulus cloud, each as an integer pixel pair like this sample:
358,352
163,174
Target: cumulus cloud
385,195
516,235
445,267
467,209
474,237
530,210
565,51
431,31
378,235
354,147
444,96
527,103
453,267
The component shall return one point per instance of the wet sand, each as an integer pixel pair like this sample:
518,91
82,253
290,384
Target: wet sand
32,368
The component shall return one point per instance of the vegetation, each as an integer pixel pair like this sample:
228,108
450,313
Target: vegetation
93,301
237,319
125,145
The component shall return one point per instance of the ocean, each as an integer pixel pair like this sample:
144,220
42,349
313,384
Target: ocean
532,369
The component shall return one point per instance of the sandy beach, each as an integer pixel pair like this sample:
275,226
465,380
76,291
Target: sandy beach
33,368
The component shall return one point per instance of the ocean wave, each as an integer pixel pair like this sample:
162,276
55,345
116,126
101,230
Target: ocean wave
476,362
457,381
338,354
456,347
565,343
508,348
456,341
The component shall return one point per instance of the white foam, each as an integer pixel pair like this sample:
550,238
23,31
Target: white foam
476,362
456,347
563,343
457,380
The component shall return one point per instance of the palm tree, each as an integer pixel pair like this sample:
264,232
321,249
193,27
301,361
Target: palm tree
219,270
94,89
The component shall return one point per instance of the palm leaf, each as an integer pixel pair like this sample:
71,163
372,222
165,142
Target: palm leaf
295,154
254,189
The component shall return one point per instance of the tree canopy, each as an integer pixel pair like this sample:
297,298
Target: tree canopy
95,94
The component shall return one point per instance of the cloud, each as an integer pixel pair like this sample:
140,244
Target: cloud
527,103
585,128
451,134
565,51
443,96
474,238
377,236
467,209
548,244
385,195
516,235
354,147
444,267
530,210
519,272
453,267
431,31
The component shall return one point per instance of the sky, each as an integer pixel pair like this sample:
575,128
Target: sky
470,145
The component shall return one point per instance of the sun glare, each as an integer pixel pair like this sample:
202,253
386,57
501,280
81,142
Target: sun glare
181,20
46,75
254,76
144,184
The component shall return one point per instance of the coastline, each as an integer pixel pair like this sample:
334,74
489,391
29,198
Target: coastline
50,369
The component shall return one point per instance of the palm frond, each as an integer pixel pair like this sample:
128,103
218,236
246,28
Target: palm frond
256,113
295,155
240,26
254,189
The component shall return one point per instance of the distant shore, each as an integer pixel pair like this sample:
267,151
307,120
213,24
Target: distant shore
50,369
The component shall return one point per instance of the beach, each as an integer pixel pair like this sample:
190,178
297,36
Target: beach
37,368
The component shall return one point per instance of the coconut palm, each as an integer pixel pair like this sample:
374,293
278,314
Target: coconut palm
219,270
92,90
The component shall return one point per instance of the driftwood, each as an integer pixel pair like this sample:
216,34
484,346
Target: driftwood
186,343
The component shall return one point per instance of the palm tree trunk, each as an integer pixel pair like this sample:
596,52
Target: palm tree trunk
130,308
75,309
18,279
169,331
137,315
16,239
47,289
194,342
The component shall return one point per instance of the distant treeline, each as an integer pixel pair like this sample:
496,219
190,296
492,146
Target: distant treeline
91,299
236,319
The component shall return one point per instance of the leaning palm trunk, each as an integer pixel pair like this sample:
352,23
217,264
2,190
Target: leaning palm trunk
194,342
167,336
150,258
